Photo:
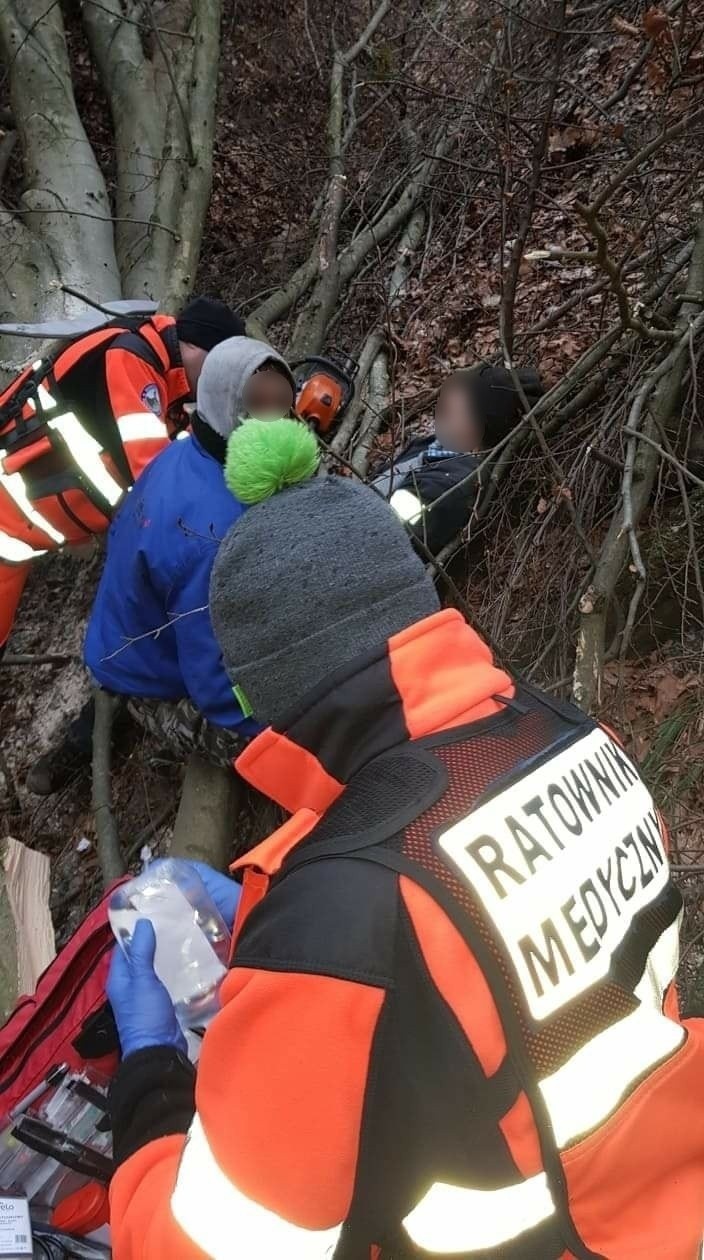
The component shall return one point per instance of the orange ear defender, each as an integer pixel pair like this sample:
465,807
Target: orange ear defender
325,388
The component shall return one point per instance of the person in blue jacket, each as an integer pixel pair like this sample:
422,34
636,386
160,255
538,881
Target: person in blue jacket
149,636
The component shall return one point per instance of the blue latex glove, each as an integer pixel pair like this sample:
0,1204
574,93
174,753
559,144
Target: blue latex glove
222,890
143,1010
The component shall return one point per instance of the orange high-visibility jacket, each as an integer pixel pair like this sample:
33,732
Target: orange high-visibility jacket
450,1025
105,400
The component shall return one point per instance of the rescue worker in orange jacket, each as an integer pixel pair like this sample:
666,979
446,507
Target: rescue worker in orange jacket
450,1024
76,430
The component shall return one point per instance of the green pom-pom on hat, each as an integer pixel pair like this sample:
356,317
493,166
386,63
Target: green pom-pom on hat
265,456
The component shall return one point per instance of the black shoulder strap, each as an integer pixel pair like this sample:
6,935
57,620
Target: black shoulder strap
138,345
133,340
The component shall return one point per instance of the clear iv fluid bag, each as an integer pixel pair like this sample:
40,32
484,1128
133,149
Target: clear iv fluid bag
192,941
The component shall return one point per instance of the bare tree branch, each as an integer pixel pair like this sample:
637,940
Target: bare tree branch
665,379
368,33
666,455
510,280
688,120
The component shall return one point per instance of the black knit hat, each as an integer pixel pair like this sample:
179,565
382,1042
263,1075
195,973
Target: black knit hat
205,322
496,400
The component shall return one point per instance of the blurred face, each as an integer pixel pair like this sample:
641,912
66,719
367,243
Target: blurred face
268,395
456,424
192,358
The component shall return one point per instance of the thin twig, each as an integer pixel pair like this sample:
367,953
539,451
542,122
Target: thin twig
150,830
28,32
629,168
309,37
616,465
666,455
510,280
142,26
633,425
682,471
154,634
555,465
690,946
102,218
613,271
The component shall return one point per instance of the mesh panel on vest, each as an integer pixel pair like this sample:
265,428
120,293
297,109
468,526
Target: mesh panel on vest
373,797
560,1037
473,764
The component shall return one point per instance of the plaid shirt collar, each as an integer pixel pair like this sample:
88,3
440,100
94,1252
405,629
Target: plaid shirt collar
436,450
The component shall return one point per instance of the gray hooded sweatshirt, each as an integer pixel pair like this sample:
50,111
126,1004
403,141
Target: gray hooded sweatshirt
223,380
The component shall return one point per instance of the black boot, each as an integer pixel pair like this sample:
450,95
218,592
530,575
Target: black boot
53,771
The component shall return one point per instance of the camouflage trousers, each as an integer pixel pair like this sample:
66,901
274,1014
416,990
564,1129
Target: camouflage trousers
178,729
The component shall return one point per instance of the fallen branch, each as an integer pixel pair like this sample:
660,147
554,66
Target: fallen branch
379,391
556,313
613,272
378,388
630,520
112,863
681,472
25,658
666,455
629,168
640,471
321,271
350,420
205,829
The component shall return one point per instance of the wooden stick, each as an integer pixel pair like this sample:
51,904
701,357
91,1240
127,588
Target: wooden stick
112,863
26,658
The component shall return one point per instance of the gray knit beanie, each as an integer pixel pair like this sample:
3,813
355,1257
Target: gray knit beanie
223,380
306,581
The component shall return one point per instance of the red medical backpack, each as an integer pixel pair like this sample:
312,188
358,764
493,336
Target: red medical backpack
67,1020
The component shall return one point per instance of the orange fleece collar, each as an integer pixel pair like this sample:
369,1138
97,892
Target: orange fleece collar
435,675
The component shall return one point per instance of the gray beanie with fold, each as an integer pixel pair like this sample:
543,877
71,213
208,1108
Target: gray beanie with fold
223,380
307,580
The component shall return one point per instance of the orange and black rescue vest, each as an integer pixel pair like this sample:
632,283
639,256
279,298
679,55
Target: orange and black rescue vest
450,1026
76,429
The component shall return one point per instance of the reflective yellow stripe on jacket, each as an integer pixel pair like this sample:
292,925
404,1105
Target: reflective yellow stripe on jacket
223,1222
